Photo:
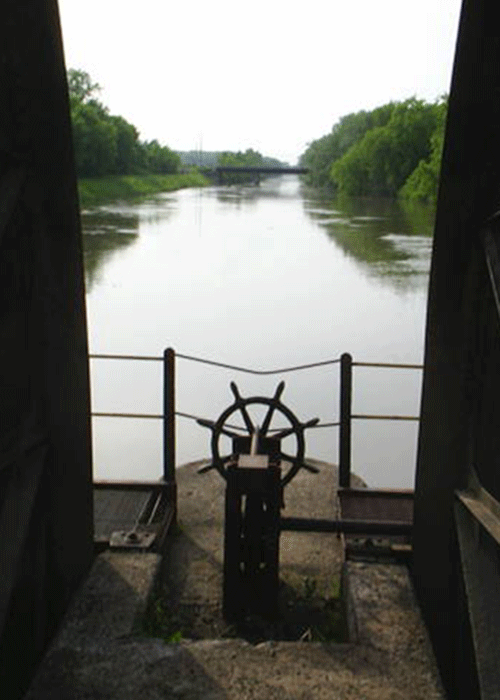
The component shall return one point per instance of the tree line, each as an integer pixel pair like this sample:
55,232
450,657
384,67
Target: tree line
393,150
209,160
107,144
246,158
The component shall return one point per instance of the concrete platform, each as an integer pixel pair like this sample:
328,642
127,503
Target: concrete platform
100,654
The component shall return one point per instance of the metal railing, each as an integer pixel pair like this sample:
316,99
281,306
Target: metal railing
169,413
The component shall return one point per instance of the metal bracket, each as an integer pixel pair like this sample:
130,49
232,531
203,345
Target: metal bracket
131,539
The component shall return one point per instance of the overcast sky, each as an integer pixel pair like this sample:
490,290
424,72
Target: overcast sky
267,74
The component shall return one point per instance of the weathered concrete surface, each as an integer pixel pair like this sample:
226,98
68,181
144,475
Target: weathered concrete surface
130,669
97,656
193,567
386,620
112,601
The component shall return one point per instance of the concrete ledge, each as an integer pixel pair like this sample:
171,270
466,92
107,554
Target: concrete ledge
111,600
96,657
383,615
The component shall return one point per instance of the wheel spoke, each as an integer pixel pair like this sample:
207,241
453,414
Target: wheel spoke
211,424
222,462
311,423
206,423
242,408
284,433
270,410
310,467
230,433
247,419
267,421
235,391
290,431
287,458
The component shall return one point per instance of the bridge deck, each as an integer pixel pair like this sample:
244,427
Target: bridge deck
261,169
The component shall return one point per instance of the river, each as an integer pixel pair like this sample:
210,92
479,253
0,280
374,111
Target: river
262,277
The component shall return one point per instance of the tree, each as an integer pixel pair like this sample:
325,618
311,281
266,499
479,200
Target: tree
383,159
108,144
240,159
80,86
350,129
128,151
375,153
94,140
160,159
423,183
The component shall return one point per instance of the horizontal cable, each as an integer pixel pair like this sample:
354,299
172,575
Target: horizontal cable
257,371
237,368
372,417
155,416
239,427
127,415
226,425
156,358
192,417
101,356
393,365
243,429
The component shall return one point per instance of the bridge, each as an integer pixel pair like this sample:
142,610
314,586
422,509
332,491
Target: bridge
264,169
257,170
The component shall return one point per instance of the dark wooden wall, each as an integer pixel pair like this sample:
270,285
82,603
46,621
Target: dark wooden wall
46,543
460,412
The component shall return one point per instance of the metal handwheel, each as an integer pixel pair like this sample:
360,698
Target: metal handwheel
256,471
290,464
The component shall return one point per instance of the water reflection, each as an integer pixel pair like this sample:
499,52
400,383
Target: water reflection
389,240
260,277
269,188
237,196
104,233
113,227
129,215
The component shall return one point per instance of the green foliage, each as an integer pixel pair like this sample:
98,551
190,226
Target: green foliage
240,159
93,191
107,144
160,159
211,159
382,160
80,86
320,154
375,153
422,184
129,157
158,622
94,140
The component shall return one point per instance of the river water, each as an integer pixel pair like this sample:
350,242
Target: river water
263,277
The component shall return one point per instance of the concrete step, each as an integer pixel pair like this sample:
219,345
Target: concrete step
98,653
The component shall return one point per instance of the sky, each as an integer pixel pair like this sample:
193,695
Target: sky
268,74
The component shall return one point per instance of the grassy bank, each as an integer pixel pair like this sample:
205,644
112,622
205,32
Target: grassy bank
96,190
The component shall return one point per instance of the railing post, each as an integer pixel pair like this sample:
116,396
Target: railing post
345,420
169,415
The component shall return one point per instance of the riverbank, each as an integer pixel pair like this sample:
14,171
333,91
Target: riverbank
97,190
